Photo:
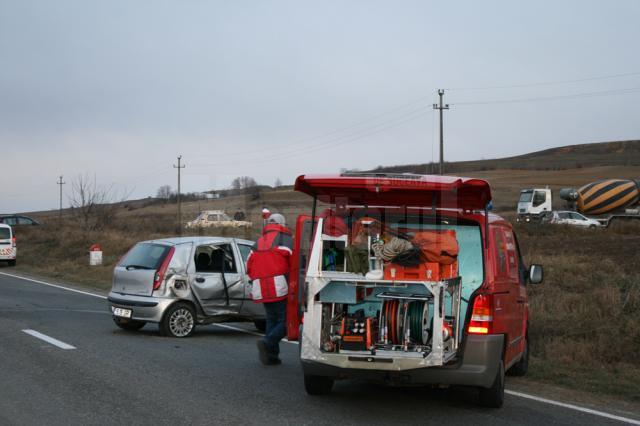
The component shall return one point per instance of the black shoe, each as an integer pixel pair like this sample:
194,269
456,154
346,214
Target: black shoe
274,360
263,353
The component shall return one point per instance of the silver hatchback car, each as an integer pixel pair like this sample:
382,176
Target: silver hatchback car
180,282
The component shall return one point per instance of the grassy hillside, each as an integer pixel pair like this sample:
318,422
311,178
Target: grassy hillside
622,153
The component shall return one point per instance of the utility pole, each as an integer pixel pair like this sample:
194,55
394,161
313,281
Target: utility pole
441,107
60,183
179,204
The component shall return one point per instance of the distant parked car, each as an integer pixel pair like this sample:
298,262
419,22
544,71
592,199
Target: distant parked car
216,219
574,219
180,282
8,250
18,220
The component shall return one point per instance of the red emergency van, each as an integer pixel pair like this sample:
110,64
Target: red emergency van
407,279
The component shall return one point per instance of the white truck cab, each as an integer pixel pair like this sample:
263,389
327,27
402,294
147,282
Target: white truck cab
534,202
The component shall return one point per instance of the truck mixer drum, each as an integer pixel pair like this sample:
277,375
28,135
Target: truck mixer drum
605,196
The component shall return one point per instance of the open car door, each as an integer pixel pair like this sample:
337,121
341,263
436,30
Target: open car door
299,260
218,283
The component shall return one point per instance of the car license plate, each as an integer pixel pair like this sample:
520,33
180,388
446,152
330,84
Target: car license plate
120,312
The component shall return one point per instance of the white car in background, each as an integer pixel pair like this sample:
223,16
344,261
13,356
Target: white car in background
8,250
574,219
216,219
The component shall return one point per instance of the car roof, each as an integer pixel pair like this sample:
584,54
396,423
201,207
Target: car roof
198,240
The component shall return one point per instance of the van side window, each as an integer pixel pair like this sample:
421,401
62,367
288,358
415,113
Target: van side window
215,259
500,248
512,259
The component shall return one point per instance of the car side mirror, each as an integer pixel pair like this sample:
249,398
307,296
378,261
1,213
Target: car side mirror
536,274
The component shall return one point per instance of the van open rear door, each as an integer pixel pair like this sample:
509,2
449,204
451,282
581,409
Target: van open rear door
301,250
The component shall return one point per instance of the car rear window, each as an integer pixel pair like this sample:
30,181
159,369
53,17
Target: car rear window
145,256
5,233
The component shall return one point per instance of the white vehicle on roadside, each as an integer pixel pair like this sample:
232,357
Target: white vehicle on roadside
574,219
216,219
8,250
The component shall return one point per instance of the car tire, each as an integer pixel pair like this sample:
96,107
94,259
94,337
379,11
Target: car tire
521,367
318,385
127,324
592,227
178,321
12,262
493,397
260,325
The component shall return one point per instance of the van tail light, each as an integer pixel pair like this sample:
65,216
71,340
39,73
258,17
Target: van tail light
13,241
159,276
482,315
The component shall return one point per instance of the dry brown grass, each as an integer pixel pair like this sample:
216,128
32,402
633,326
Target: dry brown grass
585,327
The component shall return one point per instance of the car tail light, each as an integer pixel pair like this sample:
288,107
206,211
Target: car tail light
159,276
482,315
13,241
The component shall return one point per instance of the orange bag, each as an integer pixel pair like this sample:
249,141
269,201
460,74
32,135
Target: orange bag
437,246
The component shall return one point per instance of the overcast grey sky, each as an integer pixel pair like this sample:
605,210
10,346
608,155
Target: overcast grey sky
273,89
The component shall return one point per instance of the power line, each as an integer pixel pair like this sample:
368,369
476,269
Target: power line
547,83
352,127
552,98
339,141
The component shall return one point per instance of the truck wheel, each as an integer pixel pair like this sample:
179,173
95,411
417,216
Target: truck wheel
494,396
130,325
260,325
178,321
521,367
318,385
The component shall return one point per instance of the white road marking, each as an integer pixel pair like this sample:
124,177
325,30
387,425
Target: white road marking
255,333
51,340
510,392
54,285
574,407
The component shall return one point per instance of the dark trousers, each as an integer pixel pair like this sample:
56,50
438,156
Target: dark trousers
276,328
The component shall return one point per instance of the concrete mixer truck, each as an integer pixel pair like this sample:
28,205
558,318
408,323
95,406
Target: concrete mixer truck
604,200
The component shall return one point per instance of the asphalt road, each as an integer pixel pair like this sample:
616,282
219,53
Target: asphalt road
214,377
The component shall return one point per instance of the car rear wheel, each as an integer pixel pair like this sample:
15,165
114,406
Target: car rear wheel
178,321
318,385
521,367
127,324
261,325
494,396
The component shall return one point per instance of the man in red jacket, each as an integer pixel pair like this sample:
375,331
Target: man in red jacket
268,268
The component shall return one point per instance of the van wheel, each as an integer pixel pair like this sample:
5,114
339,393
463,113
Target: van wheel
12,262
178,321
521,367
260,325
318,385
130,325
494,396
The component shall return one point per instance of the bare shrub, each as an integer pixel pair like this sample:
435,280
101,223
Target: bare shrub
92,204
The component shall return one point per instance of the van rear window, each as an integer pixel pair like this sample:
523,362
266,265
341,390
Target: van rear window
5,233
145,256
